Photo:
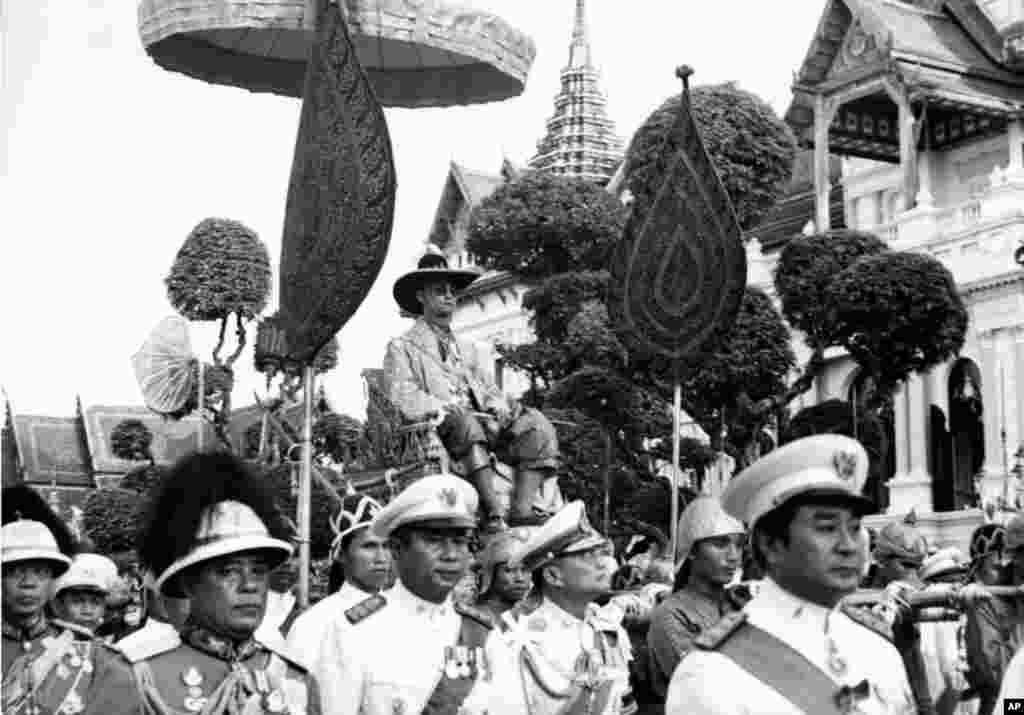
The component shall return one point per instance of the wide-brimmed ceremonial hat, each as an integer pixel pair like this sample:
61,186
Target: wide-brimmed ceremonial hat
27,540
901,540
431,268
829,466
567,532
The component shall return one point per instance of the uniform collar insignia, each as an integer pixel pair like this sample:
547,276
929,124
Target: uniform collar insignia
218,646
26,633
845,464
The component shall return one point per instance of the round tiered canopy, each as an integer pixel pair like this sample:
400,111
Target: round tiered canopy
417,53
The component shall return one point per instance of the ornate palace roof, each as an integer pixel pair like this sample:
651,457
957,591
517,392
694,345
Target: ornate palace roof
953,64
580,138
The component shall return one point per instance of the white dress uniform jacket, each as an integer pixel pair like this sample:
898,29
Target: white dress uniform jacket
390,662
554,641
311,631
1013,682
710,683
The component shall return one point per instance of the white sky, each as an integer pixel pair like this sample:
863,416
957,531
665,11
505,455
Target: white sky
109,161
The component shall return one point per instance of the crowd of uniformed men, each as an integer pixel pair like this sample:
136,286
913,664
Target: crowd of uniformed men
546,633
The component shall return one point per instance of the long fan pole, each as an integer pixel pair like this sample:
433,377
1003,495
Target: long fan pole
202,407
305,488
677,409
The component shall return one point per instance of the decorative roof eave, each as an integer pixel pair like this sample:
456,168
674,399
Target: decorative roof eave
487,283
992,282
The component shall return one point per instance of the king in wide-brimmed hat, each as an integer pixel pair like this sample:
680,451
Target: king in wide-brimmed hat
431,375
213,534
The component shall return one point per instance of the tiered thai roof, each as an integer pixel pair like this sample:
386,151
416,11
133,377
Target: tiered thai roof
958,71
580,138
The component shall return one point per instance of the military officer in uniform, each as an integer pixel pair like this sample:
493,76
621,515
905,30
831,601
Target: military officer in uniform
412,649
80,594
366,565
792,649
213,534
49,666
571,655
709,555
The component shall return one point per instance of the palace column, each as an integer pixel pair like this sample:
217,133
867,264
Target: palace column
824,110
991,483
911,487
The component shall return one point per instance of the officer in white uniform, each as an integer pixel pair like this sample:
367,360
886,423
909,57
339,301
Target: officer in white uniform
412,650
366,563
571,655
792,650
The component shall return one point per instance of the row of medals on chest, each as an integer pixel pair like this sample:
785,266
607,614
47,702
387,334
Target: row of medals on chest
196,700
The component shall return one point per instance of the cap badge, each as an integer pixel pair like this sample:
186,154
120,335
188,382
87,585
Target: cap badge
845,464
449,497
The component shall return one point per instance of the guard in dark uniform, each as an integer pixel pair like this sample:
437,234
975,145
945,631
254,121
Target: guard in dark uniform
214,535
49,666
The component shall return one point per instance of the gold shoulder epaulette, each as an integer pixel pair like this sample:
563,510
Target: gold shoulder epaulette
719,633
365,608
864,617
484,618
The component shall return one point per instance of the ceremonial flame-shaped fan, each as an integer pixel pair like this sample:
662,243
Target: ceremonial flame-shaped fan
165,366
678,280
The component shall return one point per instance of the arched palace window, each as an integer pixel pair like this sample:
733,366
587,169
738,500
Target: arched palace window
957,440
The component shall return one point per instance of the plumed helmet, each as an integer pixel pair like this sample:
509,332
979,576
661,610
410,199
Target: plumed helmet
23,502
209,505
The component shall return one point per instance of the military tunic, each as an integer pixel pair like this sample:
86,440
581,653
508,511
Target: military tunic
859,662
201,672
324,620
563,661
392,656
51,668
675,623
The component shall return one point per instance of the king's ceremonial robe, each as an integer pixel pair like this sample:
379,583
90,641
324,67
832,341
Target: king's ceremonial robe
52,667
198,671
426,370
862,672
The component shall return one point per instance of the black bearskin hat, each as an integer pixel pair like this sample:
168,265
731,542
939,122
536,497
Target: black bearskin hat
23,502
193,485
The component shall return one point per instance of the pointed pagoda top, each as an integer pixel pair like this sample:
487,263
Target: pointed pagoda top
580,140
579,50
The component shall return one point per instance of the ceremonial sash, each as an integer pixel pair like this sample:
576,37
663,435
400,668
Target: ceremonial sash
27,674
450,693
783,669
